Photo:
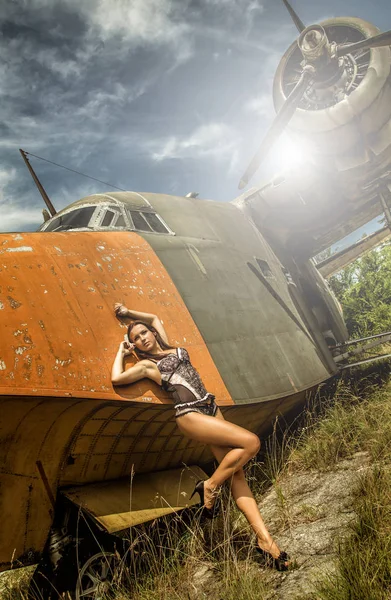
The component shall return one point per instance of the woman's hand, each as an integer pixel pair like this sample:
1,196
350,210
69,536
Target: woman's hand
126,349
121,310
123,375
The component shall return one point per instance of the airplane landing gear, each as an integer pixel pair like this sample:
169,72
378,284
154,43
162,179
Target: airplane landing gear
98,574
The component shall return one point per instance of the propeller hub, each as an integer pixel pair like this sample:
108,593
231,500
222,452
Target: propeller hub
313,43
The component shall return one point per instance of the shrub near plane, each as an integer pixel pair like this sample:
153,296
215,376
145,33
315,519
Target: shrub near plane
233,282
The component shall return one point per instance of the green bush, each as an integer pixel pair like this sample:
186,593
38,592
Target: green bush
364,290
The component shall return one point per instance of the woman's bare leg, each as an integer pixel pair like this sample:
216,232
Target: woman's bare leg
240,445
229,463
246,503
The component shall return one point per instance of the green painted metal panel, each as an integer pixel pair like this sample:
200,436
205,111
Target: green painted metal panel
258,340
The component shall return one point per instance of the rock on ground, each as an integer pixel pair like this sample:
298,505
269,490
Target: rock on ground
307,513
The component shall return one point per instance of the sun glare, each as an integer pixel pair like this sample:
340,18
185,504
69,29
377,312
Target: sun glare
288,154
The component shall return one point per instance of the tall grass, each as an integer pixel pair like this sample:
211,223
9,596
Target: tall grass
17,589
185,558
350,424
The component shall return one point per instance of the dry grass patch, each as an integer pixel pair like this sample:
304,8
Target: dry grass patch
348,425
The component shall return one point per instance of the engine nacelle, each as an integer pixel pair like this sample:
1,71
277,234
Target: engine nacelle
343,122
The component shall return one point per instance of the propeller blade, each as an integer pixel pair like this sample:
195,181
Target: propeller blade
295,18
280,122
376,41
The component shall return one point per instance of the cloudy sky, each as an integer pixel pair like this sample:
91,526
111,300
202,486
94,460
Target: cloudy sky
165,96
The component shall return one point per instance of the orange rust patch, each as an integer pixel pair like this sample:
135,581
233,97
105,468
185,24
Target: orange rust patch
59,332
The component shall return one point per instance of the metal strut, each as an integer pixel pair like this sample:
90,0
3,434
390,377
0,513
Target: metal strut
372,342
39,185
362,362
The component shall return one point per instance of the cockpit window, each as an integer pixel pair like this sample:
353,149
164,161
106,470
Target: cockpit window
148,221
110,216
104,216
155,223
138,221
107,219
72,220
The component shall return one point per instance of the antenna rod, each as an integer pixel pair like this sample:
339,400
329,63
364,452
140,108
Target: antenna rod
295,17
39,185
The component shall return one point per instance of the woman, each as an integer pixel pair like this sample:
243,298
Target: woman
195,410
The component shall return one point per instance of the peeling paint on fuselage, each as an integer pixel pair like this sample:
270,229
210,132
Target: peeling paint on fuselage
13,303
21,349
20,249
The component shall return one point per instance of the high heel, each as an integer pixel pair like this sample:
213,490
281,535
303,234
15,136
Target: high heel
278,563
209,513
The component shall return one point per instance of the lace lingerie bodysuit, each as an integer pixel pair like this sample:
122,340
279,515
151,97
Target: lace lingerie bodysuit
180,378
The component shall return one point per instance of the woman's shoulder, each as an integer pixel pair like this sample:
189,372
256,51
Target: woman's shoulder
147,362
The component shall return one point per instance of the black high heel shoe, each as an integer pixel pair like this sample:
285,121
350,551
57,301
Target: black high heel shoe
209,513
278,563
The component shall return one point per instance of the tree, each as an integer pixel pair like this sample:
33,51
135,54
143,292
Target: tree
364,290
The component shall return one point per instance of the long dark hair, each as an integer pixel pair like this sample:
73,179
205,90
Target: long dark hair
163,345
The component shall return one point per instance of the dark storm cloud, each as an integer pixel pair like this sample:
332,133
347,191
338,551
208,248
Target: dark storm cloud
153,95
66,82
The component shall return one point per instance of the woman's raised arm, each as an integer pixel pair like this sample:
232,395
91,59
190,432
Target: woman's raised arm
122,311
121,377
